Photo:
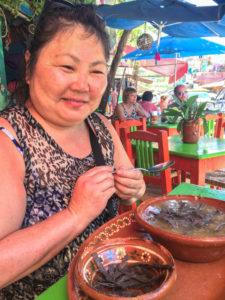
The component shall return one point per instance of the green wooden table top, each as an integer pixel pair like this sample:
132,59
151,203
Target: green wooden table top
205,148
58,291
196,190
162,125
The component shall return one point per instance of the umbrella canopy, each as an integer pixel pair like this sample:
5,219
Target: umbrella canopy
162,11
169,46
165,14
166,67
196,29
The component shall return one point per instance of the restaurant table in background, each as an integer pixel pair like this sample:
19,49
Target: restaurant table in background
170,128
197,159
194,281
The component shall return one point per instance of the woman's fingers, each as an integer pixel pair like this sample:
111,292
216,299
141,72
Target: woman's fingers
92,191
129,183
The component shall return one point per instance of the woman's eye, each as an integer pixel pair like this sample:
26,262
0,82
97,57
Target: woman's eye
98,72
67,67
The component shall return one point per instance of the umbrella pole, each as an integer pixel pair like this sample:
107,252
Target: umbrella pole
175,70
121,82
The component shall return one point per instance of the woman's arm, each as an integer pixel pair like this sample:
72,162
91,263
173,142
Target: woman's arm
24,250
119,112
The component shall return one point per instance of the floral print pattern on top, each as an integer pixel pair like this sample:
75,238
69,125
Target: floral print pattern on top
133,114
49,180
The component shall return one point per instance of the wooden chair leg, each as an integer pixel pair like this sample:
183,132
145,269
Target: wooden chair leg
183,176
124,208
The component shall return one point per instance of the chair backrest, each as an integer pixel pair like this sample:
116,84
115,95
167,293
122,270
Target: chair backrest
123,127
139,148
215,125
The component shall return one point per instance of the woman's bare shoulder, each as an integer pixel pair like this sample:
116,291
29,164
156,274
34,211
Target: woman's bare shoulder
5,124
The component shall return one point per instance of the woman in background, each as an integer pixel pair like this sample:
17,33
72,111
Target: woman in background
129,108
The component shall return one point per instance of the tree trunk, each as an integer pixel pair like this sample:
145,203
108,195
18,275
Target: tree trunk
112,73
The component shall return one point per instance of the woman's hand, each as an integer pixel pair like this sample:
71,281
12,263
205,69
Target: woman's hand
91,193
129,184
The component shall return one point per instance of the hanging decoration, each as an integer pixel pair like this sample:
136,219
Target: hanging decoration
145,41
157,55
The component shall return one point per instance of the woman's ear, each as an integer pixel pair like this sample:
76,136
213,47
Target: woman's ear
27,60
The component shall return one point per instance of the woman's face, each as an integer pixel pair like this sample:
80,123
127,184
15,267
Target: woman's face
132,98
69,78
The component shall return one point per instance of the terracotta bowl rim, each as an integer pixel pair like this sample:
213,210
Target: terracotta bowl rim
204,241
162,289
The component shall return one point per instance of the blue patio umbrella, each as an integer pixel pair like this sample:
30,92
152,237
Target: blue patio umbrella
162,11
171,47
169,16
183,47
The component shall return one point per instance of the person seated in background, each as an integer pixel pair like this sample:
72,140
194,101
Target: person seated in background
181,93
57,154
163,102
129,108
138,98
146,102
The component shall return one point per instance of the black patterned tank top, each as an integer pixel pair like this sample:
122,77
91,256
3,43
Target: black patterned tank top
49,181
133,114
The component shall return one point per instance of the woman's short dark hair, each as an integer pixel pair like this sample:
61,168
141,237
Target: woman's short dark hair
56,17
127,92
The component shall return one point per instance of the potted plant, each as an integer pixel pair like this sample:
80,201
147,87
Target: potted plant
189,114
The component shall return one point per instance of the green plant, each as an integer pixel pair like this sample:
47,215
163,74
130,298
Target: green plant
188,110
15,8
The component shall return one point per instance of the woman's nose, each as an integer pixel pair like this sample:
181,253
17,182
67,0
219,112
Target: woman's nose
80,82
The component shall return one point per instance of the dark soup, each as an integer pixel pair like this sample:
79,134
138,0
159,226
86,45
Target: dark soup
187,218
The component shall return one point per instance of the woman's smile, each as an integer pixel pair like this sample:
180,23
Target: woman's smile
74,103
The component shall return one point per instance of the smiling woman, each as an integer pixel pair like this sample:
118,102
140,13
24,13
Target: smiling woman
57,155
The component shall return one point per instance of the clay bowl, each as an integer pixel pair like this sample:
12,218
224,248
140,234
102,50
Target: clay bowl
112,252
184,247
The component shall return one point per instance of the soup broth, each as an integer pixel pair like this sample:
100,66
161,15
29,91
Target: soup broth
187,218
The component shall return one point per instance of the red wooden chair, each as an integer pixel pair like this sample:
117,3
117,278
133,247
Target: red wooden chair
139,147
216,179
124,208
123,127
215,125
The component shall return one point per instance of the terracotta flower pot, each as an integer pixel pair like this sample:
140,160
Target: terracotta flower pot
191,131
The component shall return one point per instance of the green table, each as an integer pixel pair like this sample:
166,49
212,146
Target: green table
207,147
170,128
59,290
196,190
197,159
